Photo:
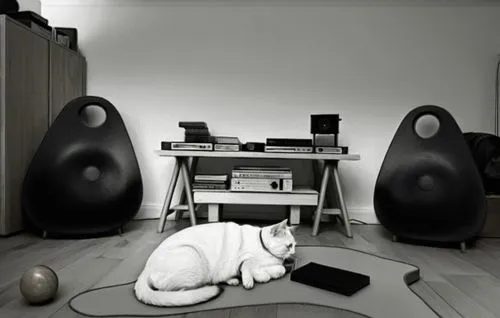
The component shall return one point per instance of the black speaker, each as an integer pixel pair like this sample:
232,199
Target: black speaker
325,124
429,188
84,178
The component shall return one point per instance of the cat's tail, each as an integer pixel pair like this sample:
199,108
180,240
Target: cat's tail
150,296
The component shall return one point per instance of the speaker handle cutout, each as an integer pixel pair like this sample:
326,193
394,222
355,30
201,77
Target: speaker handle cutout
426,126
93,116
91,173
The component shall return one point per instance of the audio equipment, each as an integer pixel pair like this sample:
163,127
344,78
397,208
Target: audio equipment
325,129
289,142
325,124
227,147
334,150
288,149
262,185
254,146
261,174
179,145
325,140
83,180
429,188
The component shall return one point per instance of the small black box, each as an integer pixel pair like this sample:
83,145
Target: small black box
325,124
72,33
330,278
254,146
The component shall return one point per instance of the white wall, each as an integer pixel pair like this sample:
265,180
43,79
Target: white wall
30,5
259,70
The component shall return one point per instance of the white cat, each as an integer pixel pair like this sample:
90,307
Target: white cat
187,266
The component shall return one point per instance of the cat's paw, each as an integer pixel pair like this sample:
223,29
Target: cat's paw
248,282
277,271
261,276
233,282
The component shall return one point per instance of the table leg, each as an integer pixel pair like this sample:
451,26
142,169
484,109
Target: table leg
294,215
340,198
187,188
321,201
168,196
213,212
182,200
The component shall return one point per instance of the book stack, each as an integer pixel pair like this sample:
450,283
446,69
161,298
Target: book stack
195,131
261,179
210,182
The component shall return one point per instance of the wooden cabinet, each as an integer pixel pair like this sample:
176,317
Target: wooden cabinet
67,77
37,78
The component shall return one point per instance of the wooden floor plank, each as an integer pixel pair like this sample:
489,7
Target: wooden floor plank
54,253
434,300
483,289
305,311
488,261
461,302
264,311
16,242
222,313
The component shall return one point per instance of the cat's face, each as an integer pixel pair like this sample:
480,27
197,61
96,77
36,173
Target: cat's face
281,241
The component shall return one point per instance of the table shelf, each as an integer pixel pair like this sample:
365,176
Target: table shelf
299,196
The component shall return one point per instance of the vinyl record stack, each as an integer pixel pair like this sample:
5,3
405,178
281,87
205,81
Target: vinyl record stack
210,182
261,179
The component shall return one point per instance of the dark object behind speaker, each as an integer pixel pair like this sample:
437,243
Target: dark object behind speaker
8,6
485,149
83,180
429,189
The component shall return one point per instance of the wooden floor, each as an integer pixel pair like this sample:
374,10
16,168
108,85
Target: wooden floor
455,284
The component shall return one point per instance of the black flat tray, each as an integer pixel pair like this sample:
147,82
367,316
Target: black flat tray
330,278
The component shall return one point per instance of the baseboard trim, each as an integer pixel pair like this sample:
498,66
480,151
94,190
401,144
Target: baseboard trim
365,215
153,211
148,211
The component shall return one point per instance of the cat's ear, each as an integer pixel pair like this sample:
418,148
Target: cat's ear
279,229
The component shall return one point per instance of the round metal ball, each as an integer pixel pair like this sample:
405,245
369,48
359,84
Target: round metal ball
39,284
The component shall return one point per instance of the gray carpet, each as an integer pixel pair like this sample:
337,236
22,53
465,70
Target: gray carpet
387,296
